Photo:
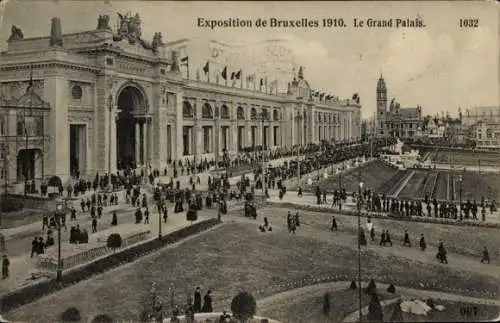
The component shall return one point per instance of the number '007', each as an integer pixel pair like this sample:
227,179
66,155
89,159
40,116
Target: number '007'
469,23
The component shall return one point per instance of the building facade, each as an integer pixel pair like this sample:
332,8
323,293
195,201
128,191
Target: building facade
486,134
391,119
100,100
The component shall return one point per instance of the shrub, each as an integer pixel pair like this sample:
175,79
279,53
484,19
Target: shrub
71,315
375,312
371,288
114,241
192,214
397,314
244,306
10,204
353,285
102,318
430,302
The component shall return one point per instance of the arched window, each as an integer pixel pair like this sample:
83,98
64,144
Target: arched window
187,110
224,112
253,114
240,113
276,115
206,111
489,133
265,114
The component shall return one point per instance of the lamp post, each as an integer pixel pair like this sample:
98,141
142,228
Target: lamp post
163,204
60,210
110,185
361,184
263,118
460,180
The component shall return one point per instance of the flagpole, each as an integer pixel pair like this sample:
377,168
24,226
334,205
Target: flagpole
187,66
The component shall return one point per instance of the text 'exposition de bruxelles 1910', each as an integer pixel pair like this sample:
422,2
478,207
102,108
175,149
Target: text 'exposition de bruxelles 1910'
328,22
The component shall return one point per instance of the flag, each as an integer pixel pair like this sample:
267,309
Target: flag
185,60
232,76
238,75
206,68
224,73
321,96
261,82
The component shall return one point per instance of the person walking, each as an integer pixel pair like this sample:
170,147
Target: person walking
5,267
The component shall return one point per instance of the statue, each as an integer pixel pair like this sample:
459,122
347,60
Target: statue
175,64
103,22
16,34
157,42
355,98
130,27
56,32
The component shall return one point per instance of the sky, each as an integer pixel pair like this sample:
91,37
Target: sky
440,67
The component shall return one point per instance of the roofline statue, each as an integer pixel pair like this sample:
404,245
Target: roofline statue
15,34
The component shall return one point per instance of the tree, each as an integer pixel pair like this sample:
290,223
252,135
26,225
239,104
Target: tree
375,313
102,318
71,315
397,314
244,306
114,241
192,214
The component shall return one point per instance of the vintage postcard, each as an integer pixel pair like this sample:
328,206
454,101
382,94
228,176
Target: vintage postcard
213,161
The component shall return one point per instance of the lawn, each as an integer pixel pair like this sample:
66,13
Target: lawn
309,307
373,175
466,158
233,258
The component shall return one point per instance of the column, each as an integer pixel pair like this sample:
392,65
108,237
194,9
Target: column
198,147
56,93
233,137
137,143
146,141
178,127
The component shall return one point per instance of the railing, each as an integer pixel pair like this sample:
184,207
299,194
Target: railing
86,256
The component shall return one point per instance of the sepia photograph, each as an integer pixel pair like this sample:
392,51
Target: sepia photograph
248,161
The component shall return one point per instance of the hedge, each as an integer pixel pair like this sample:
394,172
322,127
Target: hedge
35,291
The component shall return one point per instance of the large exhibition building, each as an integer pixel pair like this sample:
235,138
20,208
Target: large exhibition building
103,99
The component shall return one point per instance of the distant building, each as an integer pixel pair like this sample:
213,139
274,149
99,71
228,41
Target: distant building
395,121
485,113
486,134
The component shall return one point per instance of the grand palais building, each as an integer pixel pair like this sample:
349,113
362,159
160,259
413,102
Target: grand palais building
103,99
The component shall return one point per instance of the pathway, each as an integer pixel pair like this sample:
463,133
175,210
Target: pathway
308,199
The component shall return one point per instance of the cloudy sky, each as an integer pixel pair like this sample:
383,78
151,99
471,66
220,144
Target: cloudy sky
440,67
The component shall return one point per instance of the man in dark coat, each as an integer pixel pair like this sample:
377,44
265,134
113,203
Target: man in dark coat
197,300
5,267
207,303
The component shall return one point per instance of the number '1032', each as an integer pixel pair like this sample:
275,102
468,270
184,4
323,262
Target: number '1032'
469,23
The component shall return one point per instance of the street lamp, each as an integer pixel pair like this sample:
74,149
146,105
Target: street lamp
361,184
163,204
460,180
60,211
